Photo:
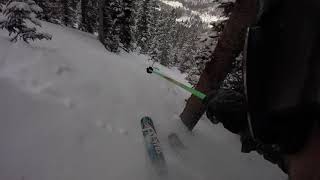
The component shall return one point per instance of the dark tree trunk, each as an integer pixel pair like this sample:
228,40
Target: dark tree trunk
85,24
66,13
101,20
228,48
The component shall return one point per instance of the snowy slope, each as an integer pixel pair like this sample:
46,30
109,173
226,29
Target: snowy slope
70,111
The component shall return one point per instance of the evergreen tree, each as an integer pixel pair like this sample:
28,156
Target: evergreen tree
16,17
154,14
160,50
180,39
187,54
172,29
113,12
110,13
101,26
142,33
2,3
147,24
84,17
51,10
189,48
89,15
118,25
166,37
163,41
126,21
69,12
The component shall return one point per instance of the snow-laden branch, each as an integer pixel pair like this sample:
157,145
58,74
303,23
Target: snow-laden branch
20,19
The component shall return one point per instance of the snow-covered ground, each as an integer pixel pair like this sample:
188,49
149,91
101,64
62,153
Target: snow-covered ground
174,4
70,110
205,16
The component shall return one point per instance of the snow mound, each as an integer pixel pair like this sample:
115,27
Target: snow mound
70,110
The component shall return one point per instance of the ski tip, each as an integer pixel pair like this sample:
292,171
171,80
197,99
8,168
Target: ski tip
147,122
146,118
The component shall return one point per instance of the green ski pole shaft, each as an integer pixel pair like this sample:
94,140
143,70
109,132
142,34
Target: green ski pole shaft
193,91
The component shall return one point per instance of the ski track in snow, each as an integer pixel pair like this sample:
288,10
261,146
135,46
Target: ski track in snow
70,110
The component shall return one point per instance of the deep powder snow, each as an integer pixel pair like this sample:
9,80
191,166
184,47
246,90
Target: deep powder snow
70,110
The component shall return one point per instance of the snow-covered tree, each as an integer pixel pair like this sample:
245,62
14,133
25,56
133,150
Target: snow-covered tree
1,6
2,2
52,10
142,34
159,48
126,21
69,12
109,25
116,24
20,20
154,16
187,54
163,38
171,28
113,12
89,15
189,48
146,19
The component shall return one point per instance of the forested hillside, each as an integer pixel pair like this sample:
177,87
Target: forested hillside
178,34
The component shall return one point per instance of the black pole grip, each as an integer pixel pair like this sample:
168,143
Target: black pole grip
149,70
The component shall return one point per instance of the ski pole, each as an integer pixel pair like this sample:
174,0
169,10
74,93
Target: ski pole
193,91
